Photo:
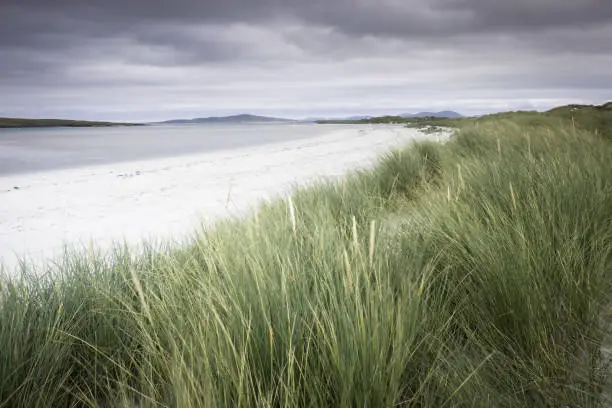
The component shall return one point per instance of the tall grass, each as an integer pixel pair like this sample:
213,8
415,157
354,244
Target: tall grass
473,273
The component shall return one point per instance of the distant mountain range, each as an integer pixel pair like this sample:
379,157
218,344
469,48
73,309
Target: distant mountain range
441,114
244,118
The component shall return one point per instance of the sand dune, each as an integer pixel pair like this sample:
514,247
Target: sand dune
168,198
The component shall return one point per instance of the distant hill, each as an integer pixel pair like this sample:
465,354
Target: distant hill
244,118
323,118
39,123
570,109
358,117
595,118
441,114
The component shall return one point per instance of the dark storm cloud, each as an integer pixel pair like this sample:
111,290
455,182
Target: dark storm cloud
48,22
186,54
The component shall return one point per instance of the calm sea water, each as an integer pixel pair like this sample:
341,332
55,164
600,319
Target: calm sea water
33,150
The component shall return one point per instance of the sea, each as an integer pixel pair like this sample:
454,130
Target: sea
28,150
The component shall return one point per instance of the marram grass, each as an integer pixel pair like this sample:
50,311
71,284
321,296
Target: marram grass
470,274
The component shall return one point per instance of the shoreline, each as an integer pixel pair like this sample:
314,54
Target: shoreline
167,199
22,123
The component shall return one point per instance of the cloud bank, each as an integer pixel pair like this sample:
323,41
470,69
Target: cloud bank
159,59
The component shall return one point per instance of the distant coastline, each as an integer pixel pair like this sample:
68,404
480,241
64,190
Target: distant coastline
243,118
233,119
9,123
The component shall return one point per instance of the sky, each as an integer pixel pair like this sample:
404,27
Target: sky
147,60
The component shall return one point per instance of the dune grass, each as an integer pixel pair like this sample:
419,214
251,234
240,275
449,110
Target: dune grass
470,274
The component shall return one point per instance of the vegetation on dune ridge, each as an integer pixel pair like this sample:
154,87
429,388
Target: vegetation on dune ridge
28,123
474,273
595,118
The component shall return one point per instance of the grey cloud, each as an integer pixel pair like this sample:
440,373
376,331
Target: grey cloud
185,54
47,25
420,18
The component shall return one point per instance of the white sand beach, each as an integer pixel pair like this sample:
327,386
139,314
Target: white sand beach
169,198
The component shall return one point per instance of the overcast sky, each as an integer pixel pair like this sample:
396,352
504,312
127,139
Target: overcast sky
162,59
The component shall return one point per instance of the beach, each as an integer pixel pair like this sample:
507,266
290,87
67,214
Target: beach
167,199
